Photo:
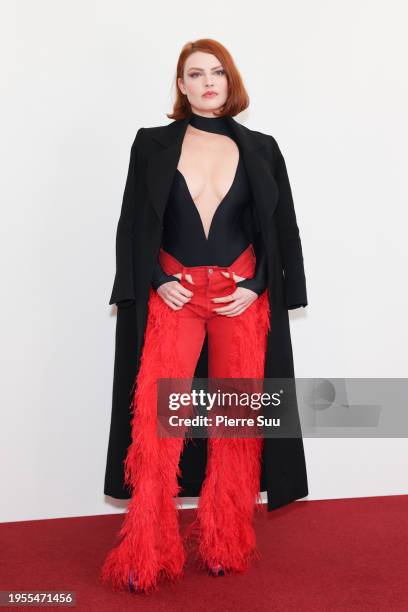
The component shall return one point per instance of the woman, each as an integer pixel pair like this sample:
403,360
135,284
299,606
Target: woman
209,280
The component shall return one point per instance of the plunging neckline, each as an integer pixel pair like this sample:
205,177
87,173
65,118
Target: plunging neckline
207,238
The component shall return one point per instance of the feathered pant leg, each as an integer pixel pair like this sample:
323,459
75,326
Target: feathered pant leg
150,543
231,488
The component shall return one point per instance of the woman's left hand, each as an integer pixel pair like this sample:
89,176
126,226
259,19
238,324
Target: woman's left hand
239,300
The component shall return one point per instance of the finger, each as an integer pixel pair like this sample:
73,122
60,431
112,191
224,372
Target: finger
237,311
228,308
177,300
183,290
237,307
225,298
172,306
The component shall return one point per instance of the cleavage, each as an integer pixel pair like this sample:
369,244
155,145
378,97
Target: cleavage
199,207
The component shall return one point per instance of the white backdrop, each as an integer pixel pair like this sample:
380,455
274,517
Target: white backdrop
78,79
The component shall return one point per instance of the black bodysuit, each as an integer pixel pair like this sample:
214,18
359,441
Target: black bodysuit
234,224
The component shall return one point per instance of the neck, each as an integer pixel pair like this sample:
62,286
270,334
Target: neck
217,125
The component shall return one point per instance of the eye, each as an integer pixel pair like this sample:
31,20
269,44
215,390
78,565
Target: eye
221,71
194,74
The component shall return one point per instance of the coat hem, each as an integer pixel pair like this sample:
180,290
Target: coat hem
195,492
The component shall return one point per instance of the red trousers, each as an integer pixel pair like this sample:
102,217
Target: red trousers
150,541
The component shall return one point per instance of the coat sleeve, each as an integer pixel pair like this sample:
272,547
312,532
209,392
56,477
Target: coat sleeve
123,292
259,282
160,277
289,239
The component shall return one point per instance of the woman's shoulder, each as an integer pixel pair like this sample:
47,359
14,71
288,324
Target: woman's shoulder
266,136
265,139
144,134
155,129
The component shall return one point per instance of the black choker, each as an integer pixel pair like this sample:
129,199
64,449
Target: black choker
218,125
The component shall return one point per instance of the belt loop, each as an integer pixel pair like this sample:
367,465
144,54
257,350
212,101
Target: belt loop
231,272
183,273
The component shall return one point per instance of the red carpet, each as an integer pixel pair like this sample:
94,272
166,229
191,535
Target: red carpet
347,554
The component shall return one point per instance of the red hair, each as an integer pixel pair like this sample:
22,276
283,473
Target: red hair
237,100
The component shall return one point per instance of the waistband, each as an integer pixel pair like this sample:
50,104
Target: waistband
243,265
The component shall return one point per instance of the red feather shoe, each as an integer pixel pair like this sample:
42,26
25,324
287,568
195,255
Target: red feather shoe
133,584
216,570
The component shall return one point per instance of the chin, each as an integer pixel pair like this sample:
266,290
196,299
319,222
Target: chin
213,104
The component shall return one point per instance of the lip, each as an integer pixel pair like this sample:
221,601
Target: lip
210,94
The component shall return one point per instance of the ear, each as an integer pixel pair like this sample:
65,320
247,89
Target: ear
180,84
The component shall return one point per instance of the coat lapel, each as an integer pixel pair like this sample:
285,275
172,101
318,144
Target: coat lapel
162,164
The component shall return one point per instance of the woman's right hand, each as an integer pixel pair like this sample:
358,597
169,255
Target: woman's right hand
174,294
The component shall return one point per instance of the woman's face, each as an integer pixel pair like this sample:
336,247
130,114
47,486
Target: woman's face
204,73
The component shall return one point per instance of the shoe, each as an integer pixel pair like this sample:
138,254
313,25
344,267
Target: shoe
133,586
216,570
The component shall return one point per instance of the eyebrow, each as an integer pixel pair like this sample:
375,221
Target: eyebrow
193,68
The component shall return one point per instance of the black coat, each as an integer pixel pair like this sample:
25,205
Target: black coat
153,161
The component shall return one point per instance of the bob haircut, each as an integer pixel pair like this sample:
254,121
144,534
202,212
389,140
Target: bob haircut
237,100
